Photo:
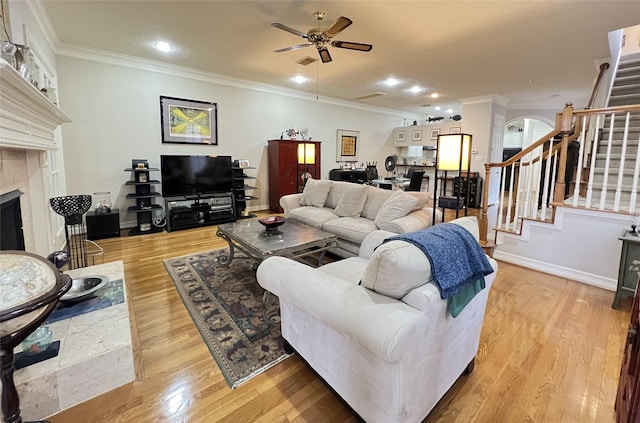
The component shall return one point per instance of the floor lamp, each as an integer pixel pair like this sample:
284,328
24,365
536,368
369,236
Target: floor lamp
453,154
306,157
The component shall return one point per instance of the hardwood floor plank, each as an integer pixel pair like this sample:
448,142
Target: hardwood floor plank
550,351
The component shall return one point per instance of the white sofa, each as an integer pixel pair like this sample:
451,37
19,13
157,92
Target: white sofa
352,211
390,357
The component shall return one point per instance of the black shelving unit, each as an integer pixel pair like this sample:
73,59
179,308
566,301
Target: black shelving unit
144,195
241,184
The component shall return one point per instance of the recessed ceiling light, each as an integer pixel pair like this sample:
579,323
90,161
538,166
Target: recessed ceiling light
435,95
299,79
163,46
416,89
449,111
437,107
391,82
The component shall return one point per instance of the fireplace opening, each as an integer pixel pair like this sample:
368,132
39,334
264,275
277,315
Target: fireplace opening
11,234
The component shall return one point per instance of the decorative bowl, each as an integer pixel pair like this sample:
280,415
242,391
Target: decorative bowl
272,223
84,287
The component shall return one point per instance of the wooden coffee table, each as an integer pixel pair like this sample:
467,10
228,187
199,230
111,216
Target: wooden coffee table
293,240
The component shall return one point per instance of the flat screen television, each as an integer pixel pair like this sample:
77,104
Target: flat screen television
195,176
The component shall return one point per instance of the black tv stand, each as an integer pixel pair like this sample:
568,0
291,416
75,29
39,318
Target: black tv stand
195,211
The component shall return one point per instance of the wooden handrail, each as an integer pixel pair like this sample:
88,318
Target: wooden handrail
603,68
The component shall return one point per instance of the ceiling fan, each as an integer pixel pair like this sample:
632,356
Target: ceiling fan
322,37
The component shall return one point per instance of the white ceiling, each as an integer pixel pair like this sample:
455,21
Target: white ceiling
459,49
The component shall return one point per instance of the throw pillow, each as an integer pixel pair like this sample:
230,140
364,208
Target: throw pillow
398,205
423,198
396,268
352,201
315,193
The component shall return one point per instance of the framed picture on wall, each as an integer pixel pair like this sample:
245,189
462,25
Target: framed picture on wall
455,130
347,145
400,136
417,135
434,134
188,121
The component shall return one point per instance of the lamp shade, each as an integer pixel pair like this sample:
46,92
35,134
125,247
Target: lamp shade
453,151
306,153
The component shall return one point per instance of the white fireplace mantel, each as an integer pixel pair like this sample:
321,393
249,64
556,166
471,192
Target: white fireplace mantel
27,118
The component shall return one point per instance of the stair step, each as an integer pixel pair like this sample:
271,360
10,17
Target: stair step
624,100
616,148
631,158
629,80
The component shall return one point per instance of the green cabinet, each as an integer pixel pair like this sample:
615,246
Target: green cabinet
629,266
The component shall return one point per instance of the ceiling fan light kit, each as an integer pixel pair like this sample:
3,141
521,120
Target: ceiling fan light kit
322,37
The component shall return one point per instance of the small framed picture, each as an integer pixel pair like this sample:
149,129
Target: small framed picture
417,135
434,134
348,144
142,177
400,136
455,130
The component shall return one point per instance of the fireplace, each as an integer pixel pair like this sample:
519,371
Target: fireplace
11,234
28,121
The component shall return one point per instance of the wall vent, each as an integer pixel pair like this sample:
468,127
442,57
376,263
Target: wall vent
306,61
368,96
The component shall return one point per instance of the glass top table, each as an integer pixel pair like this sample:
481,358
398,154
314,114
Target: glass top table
292,240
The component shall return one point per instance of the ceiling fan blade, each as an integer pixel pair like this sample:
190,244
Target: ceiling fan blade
337,27
280,50
352,46
288,29
324,55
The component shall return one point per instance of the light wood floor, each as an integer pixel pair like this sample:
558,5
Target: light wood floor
550,351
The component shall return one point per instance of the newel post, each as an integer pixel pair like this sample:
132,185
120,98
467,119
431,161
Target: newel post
483,222
565,126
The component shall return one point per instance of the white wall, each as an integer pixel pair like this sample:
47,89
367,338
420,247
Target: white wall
580,245
116,114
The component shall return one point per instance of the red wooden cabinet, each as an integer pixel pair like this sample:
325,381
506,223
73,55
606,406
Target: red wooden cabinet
628,398
286,175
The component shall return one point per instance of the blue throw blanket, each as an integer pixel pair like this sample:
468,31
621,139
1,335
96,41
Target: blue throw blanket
455,256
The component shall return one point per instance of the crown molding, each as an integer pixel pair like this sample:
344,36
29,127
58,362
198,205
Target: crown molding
492,98
148,65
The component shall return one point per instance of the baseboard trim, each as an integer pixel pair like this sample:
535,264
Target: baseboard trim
560,271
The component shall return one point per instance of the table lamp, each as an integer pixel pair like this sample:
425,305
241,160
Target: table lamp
306,157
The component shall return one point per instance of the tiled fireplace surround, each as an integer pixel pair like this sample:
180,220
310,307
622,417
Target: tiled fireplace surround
96,349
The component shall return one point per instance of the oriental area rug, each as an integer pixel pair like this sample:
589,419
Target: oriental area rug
225,303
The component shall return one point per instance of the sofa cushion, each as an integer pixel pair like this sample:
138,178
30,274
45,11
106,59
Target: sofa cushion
315,193
399,204
470,223
395,268
337,189
375,199
353,229
312,216
352,201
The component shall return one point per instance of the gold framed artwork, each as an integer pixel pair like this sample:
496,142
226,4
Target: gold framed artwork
347,145
188,121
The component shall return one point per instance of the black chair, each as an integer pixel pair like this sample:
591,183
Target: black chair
416,181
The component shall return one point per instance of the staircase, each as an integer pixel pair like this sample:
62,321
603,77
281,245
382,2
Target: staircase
574,236
625,92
